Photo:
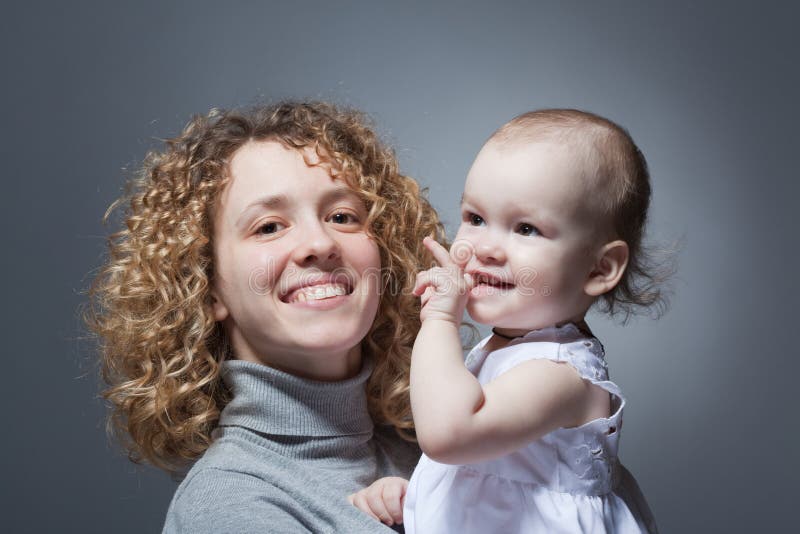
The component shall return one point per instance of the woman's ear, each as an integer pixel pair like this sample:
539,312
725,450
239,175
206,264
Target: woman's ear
609,268
218,307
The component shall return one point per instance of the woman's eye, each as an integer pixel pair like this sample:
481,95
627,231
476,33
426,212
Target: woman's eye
270,228
343,217
475,220
527,229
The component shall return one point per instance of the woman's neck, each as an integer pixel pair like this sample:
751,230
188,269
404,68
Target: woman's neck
276,403
322,367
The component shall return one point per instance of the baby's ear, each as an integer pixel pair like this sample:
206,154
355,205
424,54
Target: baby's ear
609,268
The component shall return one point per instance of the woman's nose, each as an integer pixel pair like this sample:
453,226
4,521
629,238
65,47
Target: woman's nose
316,244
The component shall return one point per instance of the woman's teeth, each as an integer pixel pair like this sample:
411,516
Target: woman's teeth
318,293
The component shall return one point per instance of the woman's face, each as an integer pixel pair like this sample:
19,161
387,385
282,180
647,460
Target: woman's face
296,276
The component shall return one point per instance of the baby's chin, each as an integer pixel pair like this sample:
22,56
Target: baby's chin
479,314
485,314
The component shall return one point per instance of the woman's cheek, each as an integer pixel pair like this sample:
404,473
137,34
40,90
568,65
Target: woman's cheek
263,271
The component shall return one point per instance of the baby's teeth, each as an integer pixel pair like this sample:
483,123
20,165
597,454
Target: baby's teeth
301,297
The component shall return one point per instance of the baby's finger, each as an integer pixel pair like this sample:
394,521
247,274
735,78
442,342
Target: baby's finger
360,502
440,254
426,296
376,504
423,282
393,499
469,280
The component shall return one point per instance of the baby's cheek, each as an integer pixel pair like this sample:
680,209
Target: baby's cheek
527,281
462,250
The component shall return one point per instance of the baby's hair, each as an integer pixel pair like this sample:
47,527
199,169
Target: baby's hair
618,174
150,304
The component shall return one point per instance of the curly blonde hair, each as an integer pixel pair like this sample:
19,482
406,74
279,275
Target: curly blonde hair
150,304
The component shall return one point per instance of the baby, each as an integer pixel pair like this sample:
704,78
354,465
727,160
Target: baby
524,438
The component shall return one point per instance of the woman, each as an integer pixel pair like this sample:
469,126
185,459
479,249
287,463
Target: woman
256,313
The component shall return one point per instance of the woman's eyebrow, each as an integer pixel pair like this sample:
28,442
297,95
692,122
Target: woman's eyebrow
267,202
281,201
340,193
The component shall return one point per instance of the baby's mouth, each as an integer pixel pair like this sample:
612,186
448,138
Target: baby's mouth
316,292
482,279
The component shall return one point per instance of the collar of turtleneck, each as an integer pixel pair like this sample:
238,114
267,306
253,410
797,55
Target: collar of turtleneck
273,402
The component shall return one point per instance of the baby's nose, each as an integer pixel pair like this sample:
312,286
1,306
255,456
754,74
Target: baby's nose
490,252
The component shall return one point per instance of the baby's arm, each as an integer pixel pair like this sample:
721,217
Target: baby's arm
457,420
383,499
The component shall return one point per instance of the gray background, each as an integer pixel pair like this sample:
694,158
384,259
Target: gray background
707,89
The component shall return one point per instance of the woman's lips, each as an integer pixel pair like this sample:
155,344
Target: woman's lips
316,286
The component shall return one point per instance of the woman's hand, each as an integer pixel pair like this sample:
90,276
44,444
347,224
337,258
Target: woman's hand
383,499
445,289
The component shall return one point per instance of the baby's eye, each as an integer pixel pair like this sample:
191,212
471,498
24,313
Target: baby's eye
343,217
475,220
527,229
270,228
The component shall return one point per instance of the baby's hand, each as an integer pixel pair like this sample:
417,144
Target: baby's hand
444,290
383,499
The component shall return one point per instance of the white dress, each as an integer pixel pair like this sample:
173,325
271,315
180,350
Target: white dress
569,480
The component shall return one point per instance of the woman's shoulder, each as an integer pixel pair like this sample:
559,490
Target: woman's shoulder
234,487
214,497
241,485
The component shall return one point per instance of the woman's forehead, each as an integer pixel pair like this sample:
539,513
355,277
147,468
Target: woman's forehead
266,174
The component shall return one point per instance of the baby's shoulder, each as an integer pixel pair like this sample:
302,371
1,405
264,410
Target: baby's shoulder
558,344
587,356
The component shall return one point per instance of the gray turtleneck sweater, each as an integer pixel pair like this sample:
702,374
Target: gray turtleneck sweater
286,453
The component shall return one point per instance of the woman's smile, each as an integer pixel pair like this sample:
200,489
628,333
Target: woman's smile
318,287
297,275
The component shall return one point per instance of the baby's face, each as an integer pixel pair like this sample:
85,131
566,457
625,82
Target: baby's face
527,215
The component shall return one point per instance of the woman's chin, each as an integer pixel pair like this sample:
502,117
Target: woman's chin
329,335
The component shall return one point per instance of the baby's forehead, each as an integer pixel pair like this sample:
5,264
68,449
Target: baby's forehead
589,149
561,174
579,140
559,159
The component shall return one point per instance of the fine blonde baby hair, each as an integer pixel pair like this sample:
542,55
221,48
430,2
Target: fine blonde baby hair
620,181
